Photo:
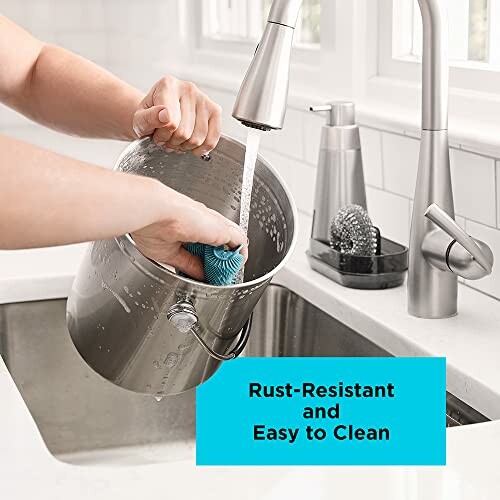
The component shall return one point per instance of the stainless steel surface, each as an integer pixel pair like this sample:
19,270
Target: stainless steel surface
286,325
435,67
353,233
262,99
129,316
340,179
183,316
340,113
84,419
432,292
433,289
285,12
458,413
452,229
435,261
235,351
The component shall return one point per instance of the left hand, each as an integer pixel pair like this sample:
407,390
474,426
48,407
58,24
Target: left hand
180,117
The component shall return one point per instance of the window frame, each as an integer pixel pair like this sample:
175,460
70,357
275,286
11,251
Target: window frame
308,62
465,77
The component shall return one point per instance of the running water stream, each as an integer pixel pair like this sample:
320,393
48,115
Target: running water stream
252,151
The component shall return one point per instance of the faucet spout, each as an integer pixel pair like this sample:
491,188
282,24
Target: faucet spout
435,67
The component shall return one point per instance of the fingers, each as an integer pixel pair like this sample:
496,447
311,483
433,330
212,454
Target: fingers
146,121
180,117
188,264
166,94
199,133
212,136
228,233
186,127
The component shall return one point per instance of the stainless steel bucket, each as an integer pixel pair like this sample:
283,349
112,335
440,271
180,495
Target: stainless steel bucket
145,328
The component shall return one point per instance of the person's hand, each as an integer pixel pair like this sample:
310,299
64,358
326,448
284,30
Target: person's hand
187,221
180,117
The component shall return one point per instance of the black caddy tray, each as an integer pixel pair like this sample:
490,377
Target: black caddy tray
377,272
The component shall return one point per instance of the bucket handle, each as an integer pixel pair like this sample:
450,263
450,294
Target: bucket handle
238,348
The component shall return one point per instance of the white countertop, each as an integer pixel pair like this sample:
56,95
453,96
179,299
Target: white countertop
471,342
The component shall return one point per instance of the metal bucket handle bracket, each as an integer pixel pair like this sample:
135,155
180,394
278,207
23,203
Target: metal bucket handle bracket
238,348
183,316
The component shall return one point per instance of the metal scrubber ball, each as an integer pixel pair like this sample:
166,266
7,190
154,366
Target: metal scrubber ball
353,233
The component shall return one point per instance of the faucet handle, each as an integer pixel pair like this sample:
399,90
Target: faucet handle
450,227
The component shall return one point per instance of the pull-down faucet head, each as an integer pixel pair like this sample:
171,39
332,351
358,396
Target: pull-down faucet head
263,96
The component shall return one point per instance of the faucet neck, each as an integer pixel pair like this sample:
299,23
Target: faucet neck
285,12
435,77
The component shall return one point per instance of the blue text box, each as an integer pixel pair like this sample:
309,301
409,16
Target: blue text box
253,412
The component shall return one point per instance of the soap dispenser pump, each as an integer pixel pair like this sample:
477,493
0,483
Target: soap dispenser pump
340,178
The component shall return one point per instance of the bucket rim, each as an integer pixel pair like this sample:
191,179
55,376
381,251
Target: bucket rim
126,239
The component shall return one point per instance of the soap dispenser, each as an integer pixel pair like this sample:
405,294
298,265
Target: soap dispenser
340,179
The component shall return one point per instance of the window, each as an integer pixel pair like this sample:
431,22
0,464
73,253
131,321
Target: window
474,46
473,39
244,20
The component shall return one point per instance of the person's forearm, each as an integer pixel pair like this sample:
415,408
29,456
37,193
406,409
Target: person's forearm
70,94
50,200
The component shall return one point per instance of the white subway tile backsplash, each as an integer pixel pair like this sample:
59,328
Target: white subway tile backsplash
371,146
299,177
491,284
313,123
88,15
136,17
474,186
400,157
390,213
498,192
131,50
290,140
304,187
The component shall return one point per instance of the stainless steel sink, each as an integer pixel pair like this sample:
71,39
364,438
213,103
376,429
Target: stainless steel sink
84,419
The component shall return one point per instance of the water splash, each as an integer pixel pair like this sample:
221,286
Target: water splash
105,286
252,150
251,153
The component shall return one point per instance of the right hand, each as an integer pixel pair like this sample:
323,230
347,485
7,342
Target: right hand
187,221
180,117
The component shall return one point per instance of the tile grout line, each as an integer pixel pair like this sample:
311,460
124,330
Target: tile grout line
382,157
497,201
466,283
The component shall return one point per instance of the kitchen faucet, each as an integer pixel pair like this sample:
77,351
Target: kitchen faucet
440,251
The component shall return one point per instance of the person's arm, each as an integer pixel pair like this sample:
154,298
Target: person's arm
50,200
68,93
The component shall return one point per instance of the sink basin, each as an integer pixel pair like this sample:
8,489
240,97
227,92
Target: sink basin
84,419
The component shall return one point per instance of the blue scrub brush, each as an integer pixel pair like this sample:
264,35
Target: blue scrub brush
221,266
